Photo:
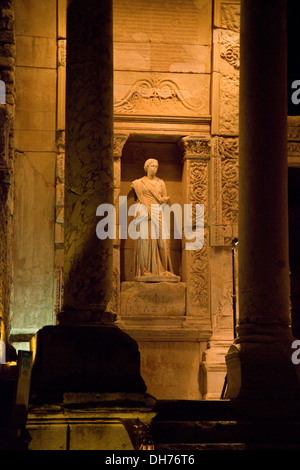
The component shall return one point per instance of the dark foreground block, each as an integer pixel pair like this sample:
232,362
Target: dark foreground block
84,359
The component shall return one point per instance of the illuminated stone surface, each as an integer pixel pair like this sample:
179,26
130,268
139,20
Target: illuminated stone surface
176,76
147,298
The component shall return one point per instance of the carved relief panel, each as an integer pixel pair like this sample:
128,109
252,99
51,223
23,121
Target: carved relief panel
224,162
225,122
196,154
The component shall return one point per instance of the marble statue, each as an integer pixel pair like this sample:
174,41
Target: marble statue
152,251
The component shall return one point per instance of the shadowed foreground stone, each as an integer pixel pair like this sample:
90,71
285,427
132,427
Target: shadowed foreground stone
84,359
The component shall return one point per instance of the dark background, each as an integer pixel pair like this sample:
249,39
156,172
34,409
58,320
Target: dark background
293,51
293,73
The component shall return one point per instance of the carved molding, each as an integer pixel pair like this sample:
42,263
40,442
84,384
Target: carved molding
198,182
229,105
230,180
198,281
197,261
61,140
155,95
293,148
227,147
294,128
62,52
230,16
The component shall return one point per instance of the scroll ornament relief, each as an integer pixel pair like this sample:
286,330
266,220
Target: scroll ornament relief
229,104
230,48
198,279
155,95
198,276
198,184
228,147
230,191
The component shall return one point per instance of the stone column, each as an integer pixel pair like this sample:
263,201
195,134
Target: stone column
259,363
86,352
88,261
119,141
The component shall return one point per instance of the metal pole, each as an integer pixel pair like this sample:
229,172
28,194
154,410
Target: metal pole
234,243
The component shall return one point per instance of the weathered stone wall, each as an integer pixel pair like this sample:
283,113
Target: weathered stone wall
162,106
162,61
7,111
35,161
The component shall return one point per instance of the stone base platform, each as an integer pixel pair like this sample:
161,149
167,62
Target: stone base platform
92,421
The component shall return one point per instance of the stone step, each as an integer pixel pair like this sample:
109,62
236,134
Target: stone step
226,425
219,446
226,432
228,410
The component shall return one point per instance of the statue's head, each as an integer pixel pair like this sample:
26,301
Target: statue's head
149,162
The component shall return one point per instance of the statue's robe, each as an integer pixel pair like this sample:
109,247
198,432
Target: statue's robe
152,254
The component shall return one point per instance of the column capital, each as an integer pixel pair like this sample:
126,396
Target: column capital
118,144
195,147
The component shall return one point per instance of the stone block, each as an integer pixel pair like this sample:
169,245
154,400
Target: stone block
168,94
147,298
168,22
48,437
111,436
34,226
84,359
35,18
159,58
36,51
36,91
171,368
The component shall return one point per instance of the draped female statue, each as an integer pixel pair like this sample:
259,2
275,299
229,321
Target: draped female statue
152,253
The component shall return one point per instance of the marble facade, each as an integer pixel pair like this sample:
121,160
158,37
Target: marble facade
176,79
163,110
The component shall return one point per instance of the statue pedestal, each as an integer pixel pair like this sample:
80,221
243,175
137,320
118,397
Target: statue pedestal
170,341
151,278
153,298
